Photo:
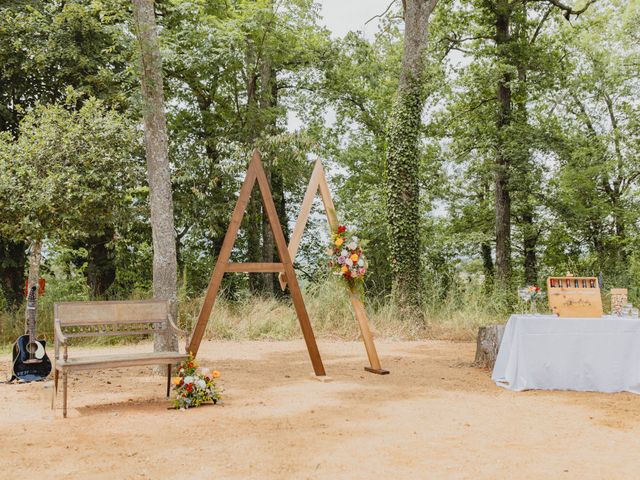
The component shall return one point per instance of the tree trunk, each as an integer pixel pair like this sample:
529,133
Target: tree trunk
35,256
12,263
530,241
501,175
165,272
403,158
268,245
487,265
268,100
254,246
277,184
254,210
488,345
101,270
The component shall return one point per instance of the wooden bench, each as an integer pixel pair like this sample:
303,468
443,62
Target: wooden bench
109,319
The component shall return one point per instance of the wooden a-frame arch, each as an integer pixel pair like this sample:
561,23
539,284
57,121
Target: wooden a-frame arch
317,182
255,172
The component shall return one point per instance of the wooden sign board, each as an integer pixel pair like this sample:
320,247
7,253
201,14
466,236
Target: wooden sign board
571,296
618,299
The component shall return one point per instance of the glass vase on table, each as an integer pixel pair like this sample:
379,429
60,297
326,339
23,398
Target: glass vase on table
523,293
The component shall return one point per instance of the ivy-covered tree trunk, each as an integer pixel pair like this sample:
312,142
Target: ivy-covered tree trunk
403,158
502,166
12,266
165,269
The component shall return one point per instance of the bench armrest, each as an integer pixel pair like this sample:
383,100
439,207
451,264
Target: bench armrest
58,335
171,324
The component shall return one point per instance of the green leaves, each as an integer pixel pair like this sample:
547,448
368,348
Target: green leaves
67,174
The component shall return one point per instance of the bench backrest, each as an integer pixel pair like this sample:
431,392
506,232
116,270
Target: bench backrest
98,319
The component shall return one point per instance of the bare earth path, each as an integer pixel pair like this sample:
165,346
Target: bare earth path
434,417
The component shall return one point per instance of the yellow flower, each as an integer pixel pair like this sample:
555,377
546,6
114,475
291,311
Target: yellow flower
175,380
215,374
354,257
339,241
344,269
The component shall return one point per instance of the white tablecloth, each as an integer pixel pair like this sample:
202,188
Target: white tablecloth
586,354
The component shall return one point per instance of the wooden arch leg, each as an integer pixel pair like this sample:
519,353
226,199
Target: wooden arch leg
318,182
255,173
361,315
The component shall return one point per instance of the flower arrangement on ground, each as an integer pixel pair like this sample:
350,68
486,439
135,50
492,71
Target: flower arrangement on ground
347,259
194,385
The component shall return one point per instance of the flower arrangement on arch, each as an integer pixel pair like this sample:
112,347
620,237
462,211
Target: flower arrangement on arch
347,259
194,385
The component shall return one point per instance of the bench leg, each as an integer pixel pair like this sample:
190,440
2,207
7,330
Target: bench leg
64,394
54,390
168,380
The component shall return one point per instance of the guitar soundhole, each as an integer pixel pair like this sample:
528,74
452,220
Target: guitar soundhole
31,348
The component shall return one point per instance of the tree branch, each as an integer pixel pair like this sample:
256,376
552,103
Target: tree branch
540,24
568,11
383,13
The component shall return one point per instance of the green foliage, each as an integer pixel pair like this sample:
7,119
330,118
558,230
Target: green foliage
67,174
415,177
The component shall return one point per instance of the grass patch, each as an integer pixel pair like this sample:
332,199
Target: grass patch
454,315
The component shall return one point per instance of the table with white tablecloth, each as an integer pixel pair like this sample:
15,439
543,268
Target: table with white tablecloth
586,354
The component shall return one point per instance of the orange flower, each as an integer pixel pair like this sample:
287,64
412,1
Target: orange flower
344,269
339,241
175,380
354,257
215,374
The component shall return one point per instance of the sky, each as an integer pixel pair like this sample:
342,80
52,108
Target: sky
341,16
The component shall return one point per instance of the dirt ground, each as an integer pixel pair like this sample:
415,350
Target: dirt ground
434,417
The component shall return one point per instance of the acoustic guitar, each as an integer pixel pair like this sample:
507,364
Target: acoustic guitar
30,360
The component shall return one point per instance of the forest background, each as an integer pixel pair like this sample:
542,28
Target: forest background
527,162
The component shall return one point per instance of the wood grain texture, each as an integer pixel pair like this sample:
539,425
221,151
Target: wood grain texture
318,183
223,256
571,296
369,345
260,267
87,313
101,319
255,173
119,360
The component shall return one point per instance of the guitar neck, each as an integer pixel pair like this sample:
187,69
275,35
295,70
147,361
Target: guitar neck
31,314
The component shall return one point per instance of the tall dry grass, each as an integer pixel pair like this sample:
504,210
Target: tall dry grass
454,314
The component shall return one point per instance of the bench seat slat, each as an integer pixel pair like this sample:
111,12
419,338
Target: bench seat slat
117,333
104,321
120,360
